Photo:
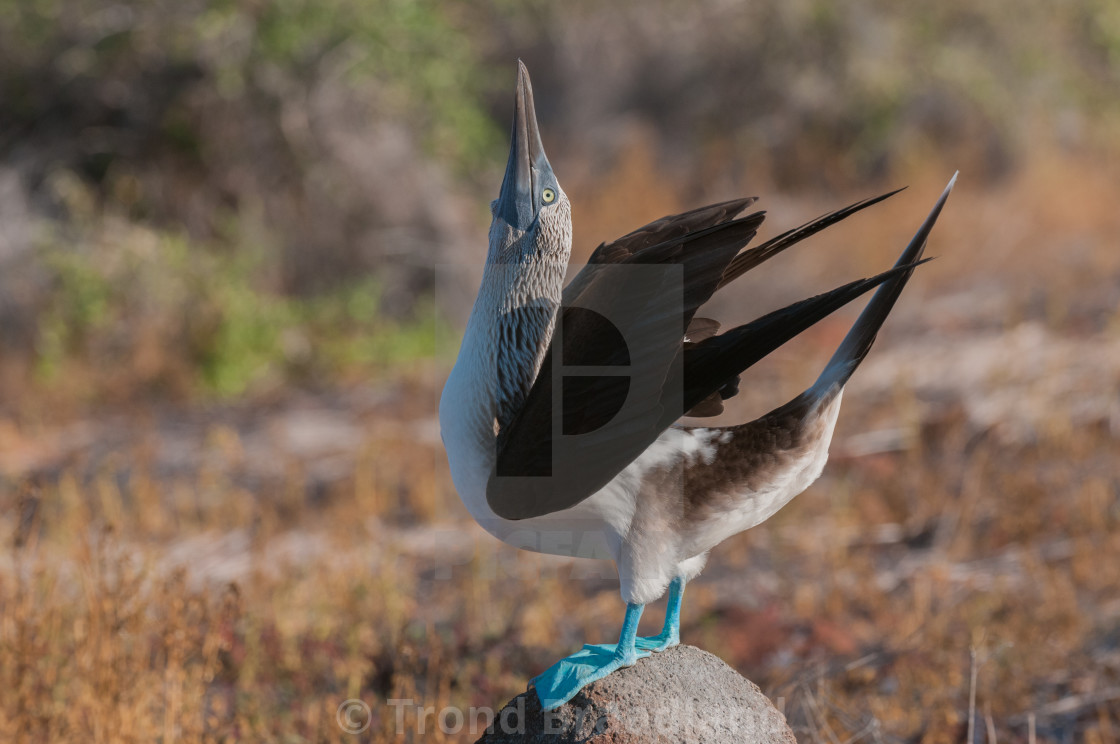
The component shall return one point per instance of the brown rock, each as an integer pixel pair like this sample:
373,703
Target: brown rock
681,695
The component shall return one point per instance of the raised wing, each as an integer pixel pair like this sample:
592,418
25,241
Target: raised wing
668,228
749,259
748,456
575,433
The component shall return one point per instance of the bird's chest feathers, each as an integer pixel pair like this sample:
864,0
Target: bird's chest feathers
499,360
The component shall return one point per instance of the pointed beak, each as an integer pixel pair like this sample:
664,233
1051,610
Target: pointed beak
518,201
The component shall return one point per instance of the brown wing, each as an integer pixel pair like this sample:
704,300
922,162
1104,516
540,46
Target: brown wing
749,456
668,228
701,329
538,472
748,259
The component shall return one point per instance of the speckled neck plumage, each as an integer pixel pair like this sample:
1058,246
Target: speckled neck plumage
513,318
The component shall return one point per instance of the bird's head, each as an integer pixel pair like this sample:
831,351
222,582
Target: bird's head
532,219
522,285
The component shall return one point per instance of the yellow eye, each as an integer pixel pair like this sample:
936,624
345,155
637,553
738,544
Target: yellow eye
548,196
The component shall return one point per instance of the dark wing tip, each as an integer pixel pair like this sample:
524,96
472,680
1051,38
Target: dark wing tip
755,256
855,346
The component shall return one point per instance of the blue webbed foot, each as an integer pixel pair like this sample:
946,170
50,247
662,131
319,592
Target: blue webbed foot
666,639
561,681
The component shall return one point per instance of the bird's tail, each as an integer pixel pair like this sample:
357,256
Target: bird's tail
711,363
857,343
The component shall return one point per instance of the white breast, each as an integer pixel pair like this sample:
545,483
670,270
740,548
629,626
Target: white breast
591,529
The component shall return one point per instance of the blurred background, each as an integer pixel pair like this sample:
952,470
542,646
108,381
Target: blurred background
224,325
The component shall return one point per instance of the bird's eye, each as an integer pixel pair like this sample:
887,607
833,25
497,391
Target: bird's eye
548,196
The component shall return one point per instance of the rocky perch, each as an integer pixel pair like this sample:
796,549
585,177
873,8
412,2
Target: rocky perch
681,695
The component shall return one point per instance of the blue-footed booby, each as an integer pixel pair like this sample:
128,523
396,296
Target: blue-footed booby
560,416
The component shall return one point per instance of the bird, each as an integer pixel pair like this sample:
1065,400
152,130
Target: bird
561,414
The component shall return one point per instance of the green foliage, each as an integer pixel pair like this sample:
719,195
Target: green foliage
414,46
353,310
430,68
78,309
239,340
200,312
427,68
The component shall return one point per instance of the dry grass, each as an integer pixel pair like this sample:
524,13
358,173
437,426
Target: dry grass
235,574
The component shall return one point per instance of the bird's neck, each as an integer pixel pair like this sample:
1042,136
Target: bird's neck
508,335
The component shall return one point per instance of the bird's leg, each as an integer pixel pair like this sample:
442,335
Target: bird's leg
670,634
561,681
625,650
